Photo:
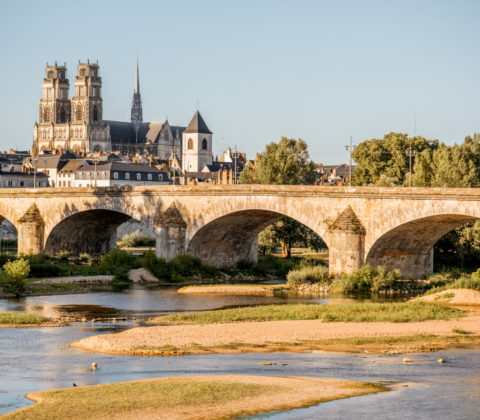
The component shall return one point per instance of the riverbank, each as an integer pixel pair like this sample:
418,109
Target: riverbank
188,398
294,336
26,320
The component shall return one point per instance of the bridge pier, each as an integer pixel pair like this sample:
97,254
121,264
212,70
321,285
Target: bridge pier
170,234
347,244
31,231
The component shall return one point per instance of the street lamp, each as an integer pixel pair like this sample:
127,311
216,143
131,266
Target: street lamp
349,149
95,161
410,153
35,161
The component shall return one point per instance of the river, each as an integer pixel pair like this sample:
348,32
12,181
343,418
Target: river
40,358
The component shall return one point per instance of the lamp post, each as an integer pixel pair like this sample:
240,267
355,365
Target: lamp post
95,161
35,161
410,153
349,149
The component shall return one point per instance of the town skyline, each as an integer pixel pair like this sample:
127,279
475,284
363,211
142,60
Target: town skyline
308,81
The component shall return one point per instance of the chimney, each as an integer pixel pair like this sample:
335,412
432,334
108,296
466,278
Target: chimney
11,151
45,171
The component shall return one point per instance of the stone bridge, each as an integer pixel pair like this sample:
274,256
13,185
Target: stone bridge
396,227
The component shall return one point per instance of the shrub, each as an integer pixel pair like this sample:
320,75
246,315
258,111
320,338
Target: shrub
4,258
368,279
245,264
137,239
461,283
63,255
15,273
310,262
317,274
116,257
85,258
44,270
157,266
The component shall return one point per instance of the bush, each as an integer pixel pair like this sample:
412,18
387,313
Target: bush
4,258
317,274
15,275
63,255
245,264
85,258
116,257
44,270
368,279
137,239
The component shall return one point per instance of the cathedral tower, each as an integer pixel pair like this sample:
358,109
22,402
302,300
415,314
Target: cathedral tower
137,113
89,132
54,111
196,145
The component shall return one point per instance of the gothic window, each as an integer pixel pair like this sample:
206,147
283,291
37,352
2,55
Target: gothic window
95,113
127,176
190,144
139,177
115,175
79,114
46,115
204,144
149,177
62,115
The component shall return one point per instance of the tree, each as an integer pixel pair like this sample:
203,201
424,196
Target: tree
15,274
377,157
285,163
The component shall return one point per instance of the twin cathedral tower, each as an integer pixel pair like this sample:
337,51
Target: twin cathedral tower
77,123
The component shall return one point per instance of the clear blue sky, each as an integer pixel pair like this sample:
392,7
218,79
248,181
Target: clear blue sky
319,70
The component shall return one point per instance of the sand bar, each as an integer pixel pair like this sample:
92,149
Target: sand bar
270,393
457,297
148,340
237,290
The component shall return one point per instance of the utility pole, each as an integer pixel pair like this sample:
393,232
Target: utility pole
35,161
349,149
235,157
174,153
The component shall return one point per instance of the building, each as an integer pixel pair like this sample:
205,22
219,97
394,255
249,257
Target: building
22,179
13,160
77,124
112,174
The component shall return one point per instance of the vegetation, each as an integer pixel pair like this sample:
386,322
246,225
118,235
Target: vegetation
122,399
21,318
460,283
316,274
13,277
354,312
368,279
137,239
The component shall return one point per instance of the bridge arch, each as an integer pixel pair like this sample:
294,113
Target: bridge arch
232,236
409,245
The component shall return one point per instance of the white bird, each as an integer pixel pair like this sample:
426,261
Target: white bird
405,360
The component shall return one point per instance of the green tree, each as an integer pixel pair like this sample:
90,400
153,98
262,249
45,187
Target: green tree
267,241
285,163
377,157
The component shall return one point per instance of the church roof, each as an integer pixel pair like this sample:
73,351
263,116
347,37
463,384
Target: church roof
124,132
197,125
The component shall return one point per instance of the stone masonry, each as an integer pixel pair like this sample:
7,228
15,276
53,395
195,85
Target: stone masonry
220,223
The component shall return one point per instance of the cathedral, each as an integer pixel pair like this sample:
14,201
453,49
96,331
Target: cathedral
77,124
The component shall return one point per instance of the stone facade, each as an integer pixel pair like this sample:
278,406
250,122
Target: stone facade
222,222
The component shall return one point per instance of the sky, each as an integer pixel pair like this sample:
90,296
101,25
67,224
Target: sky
259,70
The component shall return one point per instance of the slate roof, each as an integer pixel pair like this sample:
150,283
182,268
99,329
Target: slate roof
148,132
197,125
120,167
71,166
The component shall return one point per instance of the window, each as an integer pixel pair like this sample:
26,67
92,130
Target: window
88,175
190,144
22,184
115,175
95,112
10,183
149,177
160,177
46,115
127,175
38,184
84,72
103,175
79,114
139,177
50,75
204,144
48,171
92,73
62,115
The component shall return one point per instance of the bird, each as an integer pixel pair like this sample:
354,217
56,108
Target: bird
74,384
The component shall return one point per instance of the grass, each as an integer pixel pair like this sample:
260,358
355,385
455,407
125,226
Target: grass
20,318
461,283
445,296
352,312
113,400
458,330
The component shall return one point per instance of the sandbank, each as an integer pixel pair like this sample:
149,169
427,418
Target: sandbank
458,297
203,398
226,289
271,336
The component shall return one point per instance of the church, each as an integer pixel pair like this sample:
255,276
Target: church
77,124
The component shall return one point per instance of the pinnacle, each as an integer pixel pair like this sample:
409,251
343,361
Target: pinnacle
32,215
171,217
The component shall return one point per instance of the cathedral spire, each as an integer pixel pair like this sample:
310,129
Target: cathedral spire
137,113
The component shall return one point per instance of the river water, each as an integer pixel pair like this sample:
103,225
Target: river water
40,359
